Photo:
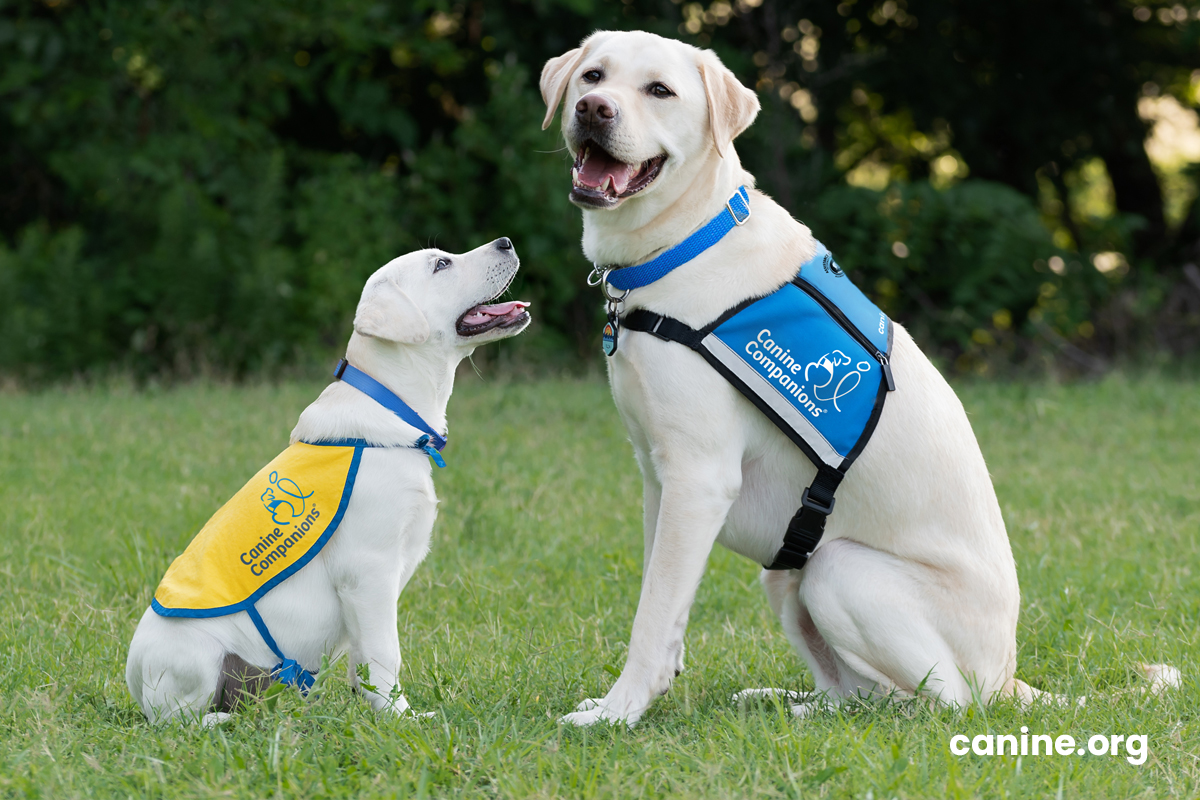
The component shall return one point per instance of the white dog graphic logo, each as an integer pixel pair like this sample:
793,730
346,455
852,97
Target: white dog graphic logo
833,366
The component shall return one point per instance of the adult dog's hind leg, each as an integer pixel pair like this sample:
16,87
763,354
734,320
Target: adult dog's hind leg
782,588
891,625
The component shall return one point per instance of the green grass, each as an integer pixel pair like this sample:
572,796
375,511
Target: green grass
524,606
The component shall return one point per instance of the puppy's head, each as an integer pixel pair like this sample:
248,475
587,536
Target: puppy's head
641,111
436,299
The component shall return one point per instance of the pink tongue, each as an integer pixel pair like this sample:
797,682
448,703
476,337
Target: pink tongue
500,309
480,315
599,166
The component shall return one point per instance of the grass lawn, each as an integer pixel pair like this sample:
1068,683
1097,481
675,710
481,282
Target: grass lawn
524,606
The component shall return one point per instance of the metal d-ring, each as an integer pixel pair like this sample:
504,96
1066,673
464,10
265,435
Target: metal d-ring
607,294
597,275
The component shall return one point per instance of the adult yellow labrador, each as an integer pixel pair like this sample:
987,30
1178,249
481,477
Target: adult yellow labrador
913,588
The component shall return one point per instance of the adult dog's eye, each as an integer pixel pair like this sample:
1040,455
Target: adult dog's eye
593,76
441,264
660,90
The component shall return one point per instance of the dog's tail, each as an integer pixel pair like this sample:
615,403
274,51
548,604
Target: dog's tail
1161,677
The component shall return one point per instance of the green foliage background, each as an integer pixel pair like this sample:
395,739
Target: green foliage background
203,186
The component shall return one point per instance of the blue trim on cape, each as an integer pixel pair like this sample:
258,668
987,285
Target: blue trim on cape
244,605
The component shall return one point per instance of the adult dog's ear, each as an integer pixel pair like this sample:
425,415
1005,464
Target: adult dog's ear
555,75
731,106
387,312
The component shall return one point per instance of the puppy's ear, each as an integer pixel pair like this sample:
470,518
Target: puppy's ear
555,75
731,106
387,312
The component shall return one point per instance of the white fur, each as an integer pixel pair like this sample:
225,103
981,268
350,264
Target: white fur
344,600
913,587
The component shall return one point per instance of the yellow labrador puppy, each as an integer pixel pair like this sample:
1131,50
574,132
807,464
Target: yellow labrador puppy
913,588
309,558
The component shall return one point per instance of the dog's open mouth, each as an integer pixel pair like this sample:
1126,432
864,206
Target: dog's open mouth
600,179
481,318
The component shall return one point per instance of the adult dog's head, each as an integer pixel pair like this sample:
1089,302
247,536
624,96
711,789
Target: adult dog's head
642,115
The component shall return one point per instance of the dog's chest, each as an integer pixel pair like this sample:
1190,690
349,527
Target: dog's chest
686,423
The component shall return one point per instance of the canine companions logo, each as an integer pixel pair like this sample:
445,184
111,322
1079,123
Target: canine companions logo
834,366
824,381
286,502
285,498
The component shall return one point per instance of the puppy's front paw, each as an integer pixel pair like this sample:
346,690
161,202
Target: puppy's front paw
214,720
590,712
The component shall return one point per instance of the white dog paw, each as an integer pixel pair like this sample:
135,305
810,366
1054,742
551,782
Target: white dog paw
806,710
1161,676
597,713
214,719
589,704
751,694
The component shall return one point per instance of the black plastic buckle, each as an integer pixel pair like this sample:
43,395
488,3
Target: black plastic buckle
806,502
341,367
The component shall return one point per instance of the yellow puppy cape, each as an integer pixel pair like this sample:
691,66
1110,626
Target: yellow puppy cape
269,530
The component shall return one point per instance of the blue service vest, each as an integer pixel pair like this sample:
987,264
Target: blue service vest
813,356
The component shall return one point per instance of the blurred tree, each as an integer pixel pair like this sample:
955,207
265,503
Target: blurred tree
186,184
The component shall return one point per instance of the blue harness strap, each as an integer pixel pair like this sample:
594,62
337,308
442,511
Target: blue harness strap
431,443
288,670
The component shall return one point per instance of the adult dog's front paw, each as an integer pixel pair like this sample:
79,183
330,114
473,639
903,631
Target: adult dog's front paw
397,706
591,711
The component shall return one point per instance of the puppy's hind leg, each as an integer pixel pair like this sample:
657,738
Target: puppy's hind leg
173,670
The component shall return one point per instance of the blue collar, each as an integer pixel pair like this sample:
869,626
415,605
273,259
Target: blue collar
734,215
432,442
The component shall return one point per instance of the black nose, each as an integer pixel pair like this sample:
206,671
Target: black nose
503,243
595,110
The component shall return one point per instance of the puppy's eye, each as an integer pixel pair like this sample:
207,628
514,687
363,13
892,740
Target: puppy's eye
593,76
660,90
441,264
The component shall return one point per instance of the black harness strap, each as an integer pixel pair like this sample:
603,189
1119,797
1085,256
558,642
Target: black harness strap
808,523
665,328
